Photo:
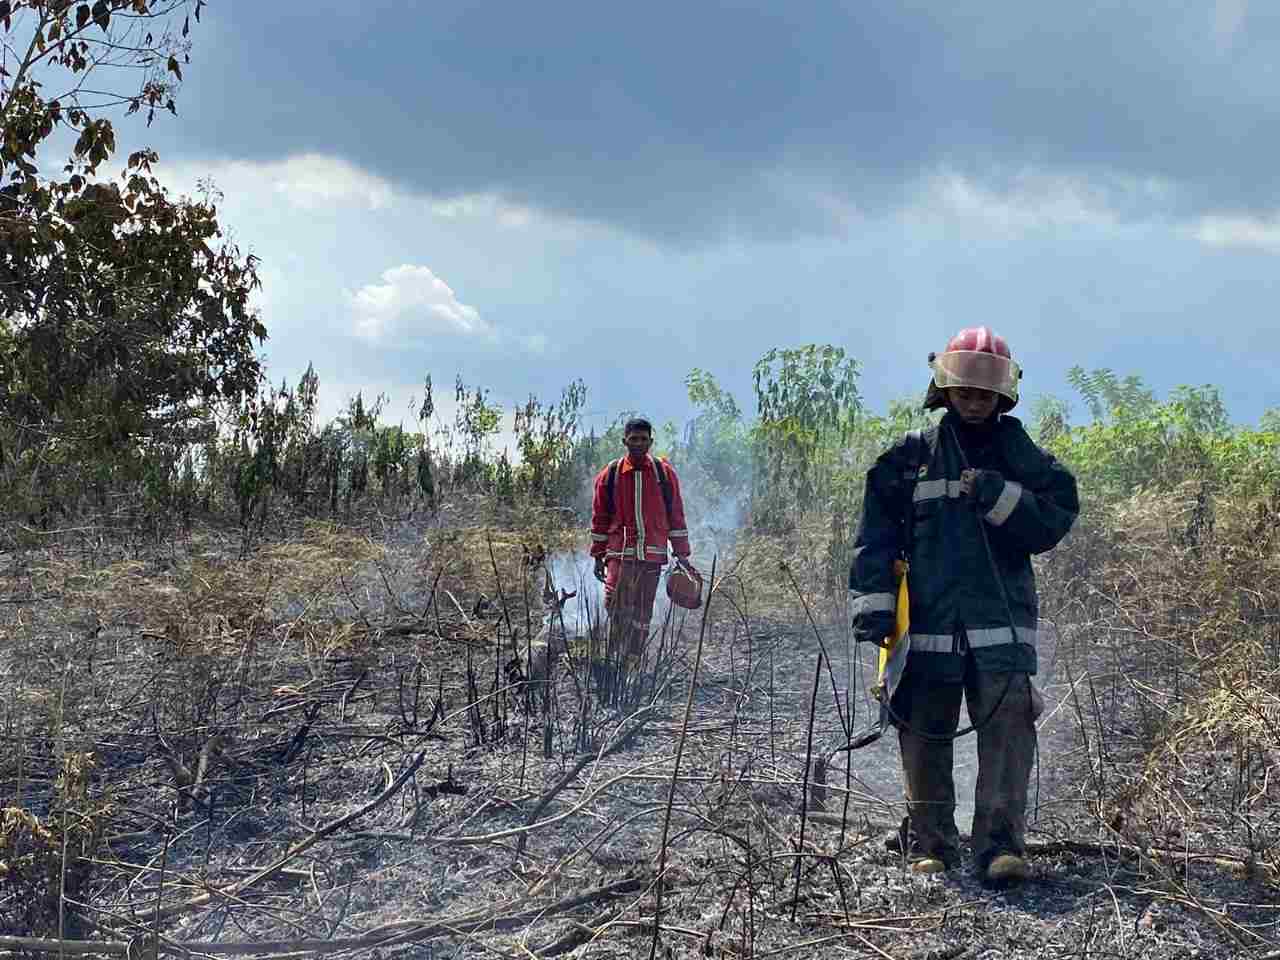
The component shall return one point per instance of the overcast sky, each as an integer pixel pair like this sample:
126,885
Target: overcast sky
528,193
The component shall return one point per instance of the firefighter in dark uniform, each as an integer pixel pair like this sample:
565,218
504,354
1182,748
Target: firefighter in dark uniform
967,503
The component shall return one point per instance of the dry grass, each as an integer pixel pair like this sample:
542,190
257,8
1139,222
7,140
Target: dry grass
1175,600
317,740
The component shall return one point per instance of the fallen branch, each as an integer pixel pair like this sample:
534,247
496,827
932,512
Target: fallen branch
640,718
498,919
292,853
1166,854
112,948
580,934
403,931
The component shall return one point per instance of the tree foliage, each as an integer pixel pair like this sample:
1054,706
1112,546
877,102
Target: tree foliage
1105,393
126,313
1143,442
546,437
808,405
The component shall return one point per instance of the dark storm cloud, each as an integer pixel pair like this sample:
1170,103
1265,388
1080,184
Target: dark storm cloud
680,119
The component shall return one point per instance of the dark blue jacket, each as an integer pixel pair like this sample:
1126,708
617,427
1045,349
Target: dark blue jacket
956,602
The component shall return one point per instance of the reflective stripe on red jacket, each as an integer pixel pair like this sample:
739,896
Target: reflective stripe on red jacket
639,525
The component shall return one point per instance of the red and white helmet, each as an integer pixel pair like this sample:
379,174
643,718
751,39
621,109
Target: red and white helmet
975,357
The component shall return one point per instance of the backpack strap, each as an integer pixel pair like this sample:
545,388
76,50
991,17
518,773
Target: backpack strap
917,451
664,484
608,486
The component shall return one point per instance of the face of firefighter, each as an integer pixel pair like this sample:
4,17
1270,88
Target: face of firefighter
637,443
973,405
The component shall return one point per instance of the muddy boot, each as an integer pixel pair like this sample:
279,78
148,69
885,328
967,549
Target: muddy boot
1006,868
902,843
928,865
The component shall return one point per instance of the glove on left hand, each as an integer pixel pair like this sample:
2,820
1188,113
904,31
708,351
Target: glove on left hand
873,627
982,487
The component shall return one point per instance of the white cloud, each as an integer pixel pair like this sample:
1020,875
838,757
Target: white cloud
326,183
1239,232
309,181
1029,202
483,206
411,302
312,181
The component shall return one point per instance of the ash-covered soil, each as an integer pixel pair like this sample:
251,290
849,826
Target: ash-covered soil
373,784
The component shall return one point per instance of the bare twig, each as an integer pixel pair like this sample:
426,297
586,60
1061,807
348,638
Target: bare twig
675,772
293,852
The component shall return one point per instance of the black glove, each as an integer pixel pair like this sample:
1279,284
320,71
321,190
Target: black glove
874,626
986,488
600,571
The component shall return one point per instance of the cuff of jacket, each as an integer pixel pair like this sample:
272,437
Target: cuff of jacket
1005,504
860,603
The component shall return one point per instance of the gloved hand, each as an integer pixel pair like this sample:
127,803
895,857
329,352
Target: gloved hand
982,487
600,571
873,627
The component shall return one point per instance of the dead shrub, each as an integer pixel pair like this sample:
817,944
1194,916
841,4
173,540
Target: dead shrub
42,860
1179,591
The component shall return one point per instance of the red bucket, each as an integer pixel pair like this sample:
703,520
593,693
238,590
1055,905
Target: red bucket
684,586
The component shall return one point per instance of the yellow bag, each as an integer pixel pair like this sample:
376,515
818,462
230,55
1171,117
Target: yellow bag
893,654
892,663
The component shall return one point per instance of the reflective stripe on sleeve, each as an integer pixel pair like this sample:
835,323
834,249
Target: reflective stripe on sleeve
1005,503
860,603
936,489
600,537
677,533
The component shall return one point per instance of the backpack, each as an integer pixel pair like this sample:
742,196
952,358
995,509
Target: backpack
664,484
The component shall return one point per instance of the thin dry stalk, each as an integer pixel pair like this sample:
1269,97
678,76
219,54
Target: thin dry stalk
675,772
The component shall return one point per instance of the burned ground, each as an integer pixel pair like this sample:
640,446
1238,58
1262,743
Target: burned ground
317,748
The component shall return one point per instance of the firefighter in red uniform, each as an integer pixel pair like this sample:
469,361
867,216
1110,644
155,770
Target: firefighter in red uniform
636,510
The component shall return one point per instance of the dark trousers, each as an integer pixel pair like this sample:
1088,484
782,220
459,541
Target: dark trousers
1006,751
630,589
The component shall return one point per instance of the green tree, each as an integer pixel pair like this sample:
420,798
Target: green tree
1105,393
546,437
475,420
124,312
717,441
1161,444
1050,417
809,405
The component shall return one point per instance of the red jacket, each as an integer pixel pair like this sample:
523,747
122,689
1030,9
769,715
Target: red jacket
639,515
